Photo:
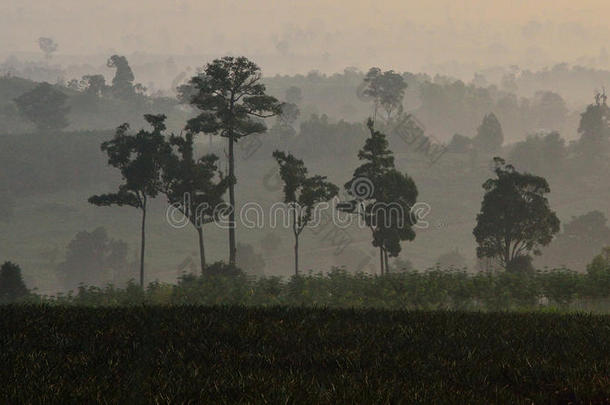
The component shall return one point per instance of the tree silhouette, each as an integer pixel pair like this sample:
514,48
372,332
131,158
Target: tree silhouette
233,104
12,287
122,83
515,217
387,89
302,194
45,107
139,158
383,197
194,186
47,46
594,130
489,136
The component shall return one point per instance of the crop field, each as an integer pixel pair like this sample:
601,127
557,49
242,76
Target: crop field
201,355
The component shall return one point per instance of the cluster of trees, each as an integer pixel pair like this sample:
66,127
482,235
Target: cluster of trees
232,104
550,154
122,87
232,101
515,219
86,102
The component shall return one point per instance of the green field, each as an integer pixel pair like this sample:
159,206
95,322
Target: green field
199,355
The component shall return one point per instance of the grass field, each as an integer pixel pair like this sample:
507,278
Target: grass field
204,355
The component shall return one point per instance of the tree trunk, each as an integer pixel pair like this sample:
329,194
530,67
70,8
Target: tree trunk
385,255
506,254
381,259
143,245
201,250
231,202
296,255
296,239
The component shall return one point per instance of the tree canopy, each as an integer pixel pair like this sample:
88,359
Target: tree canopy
515,218
45,107
233,103
140,159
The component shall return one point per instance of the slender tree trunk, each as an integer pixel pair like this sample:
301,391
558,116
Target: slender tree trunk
385,255
231,202
296,255
143,244
506,253
296,240
381,259
201,250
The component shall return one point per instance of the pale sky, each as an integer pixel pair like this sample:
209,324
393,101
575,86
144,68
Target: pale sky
329,35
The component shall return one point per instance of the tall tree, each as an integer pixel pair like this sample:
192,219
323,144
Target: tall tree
489,136
139,158
12,286
515,217
233,104
382,196
45,107
48,46
387,89
195,186
302,194
122,83
594,130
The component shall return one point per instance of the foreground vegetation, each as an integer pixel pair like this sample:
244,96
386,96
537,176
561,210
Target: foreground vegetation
193,354
558,289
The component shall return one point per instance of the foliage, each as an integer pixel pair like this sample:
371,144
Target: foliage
233,104
599,274
12,287
387,89
122,83
48,46
459,144
386,198
140,159
541,153
489,136
94,85
195,187
302,194
594,130
515,217
582,238
45,107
